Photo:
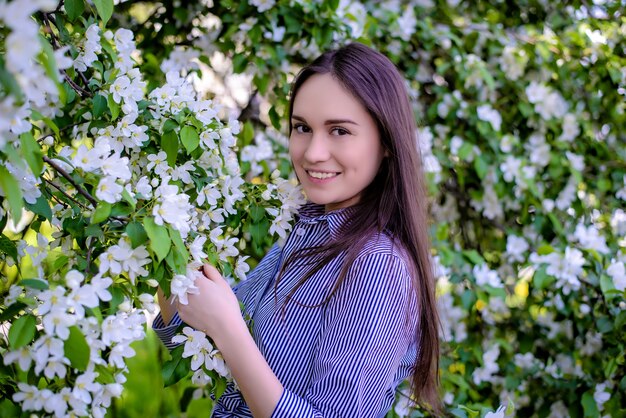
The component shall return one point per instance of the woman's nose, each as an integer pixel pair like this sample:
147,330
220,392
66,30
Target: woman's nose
317,149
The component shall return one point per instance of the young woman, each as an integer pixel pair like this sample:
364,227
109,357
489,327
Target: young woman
345,310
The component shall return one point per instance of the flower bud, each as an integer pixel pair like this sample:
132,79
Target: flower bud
152,283
125,306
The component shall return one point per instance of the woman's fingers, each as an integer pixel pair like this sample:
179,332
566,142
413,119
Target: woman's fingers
214,275
211,272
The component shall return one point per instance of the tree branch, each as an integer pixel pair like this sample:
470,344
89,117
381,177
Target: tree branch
69,178
51,183
55,44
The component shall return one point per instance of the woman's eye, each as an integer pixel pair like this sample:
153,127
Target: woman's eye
339,131
301,129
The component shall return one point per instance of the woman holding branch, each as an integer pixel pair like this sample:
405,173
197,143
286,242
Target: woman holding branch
345,310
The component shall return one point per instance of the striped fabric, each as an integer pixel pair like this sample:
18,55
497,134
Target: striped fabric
345,358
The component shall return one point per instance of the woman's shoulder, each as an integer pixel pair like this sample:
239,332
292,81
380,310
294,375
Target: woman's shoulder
383,244
384,259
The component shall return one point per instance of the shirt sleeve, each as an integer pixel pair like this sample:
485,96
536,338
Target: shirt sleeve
369,327
166,332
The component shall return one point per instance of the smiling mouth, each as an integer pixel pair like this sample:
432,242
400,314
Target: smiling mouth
321,175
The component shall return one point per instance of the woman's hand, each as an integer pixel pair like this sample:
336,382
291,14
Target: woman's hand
214,309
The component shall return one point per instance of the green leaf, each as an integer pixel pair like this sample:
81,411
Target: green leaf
175,369
178,242
22,331
32,153
219,386
99,105
34,284
49,122
8,247
274,118
468,298
169,143
104,375
177,261
481,166
239,63
247,133
545,249
8,81
470,412
129,198
105,9
556,223
9,409
113,107
102,212
333,4
541,279
136,233
259,231
256,213
48,60
74,8
590,407
604,324
12,193
189,137
76,349
94,230
40,207
607,285
159,238
465,151
459,413
473,256
620,320
169,125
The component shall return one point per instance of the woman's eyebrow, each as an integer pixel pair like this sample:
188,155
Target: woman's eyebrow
327,122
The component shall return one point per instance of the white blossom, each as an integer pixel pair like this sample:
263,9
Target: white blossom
486,277
516,248
183,284
617,272
109,190
489,114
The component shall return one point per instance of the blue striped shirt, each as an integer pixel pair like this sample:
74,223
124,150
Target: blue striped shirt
344,358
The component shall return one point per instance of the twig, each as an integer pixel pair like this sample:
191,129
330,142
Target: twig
69,178
62,129
89,250
81,91
50,182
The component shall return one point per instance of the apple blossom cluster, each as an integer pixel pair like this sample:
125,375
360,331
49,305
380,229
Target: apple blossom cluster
429,160
40,92
188,199
61,306
37,92
204,357
263,151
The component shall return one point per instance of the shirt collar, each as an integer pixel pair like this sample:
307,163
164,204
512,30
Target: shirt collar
312,213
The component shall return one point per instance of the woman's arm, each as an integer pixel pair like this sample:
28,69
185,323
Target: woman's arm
215,311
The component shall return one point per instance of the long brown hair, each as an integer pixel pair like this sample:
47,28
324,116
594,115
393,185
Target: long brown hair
395,202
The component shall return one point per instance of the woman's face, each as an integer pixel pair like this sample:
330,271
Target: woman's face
334,144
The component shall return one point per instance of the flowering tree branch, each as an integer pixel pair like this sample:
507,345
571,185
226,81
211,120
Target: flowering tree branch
69,178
